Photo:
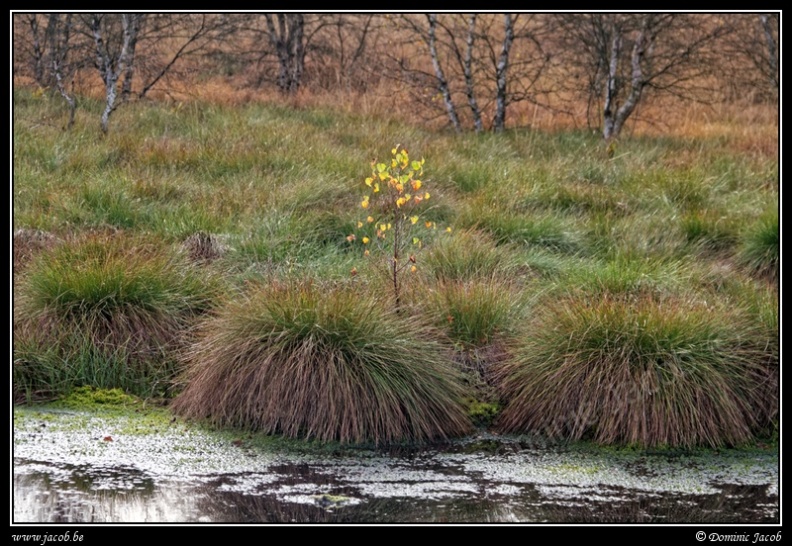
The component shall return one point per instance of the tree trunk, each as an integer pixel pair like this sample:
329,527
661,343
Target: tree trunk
297,53
59,50
467,70
442,83
501,99
38,54
111,68
131,23
611,85
772,50
288,41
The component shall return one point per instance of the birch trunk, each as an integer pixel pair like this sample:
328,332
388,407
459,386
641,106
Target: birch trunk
501,99
442,83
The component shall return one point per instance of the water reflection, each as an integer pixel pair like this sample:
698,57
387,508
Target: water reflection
315,493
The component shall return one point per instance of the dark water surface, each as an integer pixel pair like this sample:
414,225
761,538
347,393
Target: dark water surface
99,471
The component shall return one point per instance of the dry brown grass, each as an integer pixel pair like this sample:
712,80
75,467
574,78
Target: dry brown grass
321,362
28,243
642,370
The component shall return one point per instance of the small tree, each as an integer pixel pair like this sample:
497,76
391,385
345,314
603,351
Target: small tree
393,193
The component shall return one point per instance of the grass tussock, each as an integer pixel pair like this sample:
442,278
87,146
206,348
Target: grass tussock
105,311
467,256
329,363
761,246
639,371
474,314
276,189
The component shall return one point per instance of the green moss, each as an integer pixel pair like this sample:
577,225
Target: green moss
87,397
482,413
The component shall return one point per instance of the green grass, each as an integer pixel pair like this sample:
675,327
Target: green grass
474,314
325,362
761,249
469,255
544,215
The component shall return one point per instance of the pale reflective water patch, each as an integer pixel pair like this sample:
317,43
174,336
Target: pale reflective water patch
77,474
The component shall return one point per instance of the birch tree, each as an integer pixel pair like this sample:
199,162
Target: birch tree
114,57
442,82
472,60
625,56
117,40
501,68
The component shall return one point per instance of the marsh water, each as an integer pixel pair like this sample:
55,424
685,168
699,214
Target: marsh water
74,467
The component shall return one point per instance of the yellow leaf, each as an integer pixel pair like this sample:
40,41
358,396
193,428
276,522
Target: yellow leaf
369,180
426,195
360,225
366,240
376,188
416,185
448,230
400,201
413,269
364,203
416,240
370,219
383,227
413,219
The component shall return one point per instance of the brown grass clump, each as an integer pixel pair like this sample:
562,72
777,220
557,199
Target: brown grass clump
202,247
321,362
28,243
105,311
636,371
